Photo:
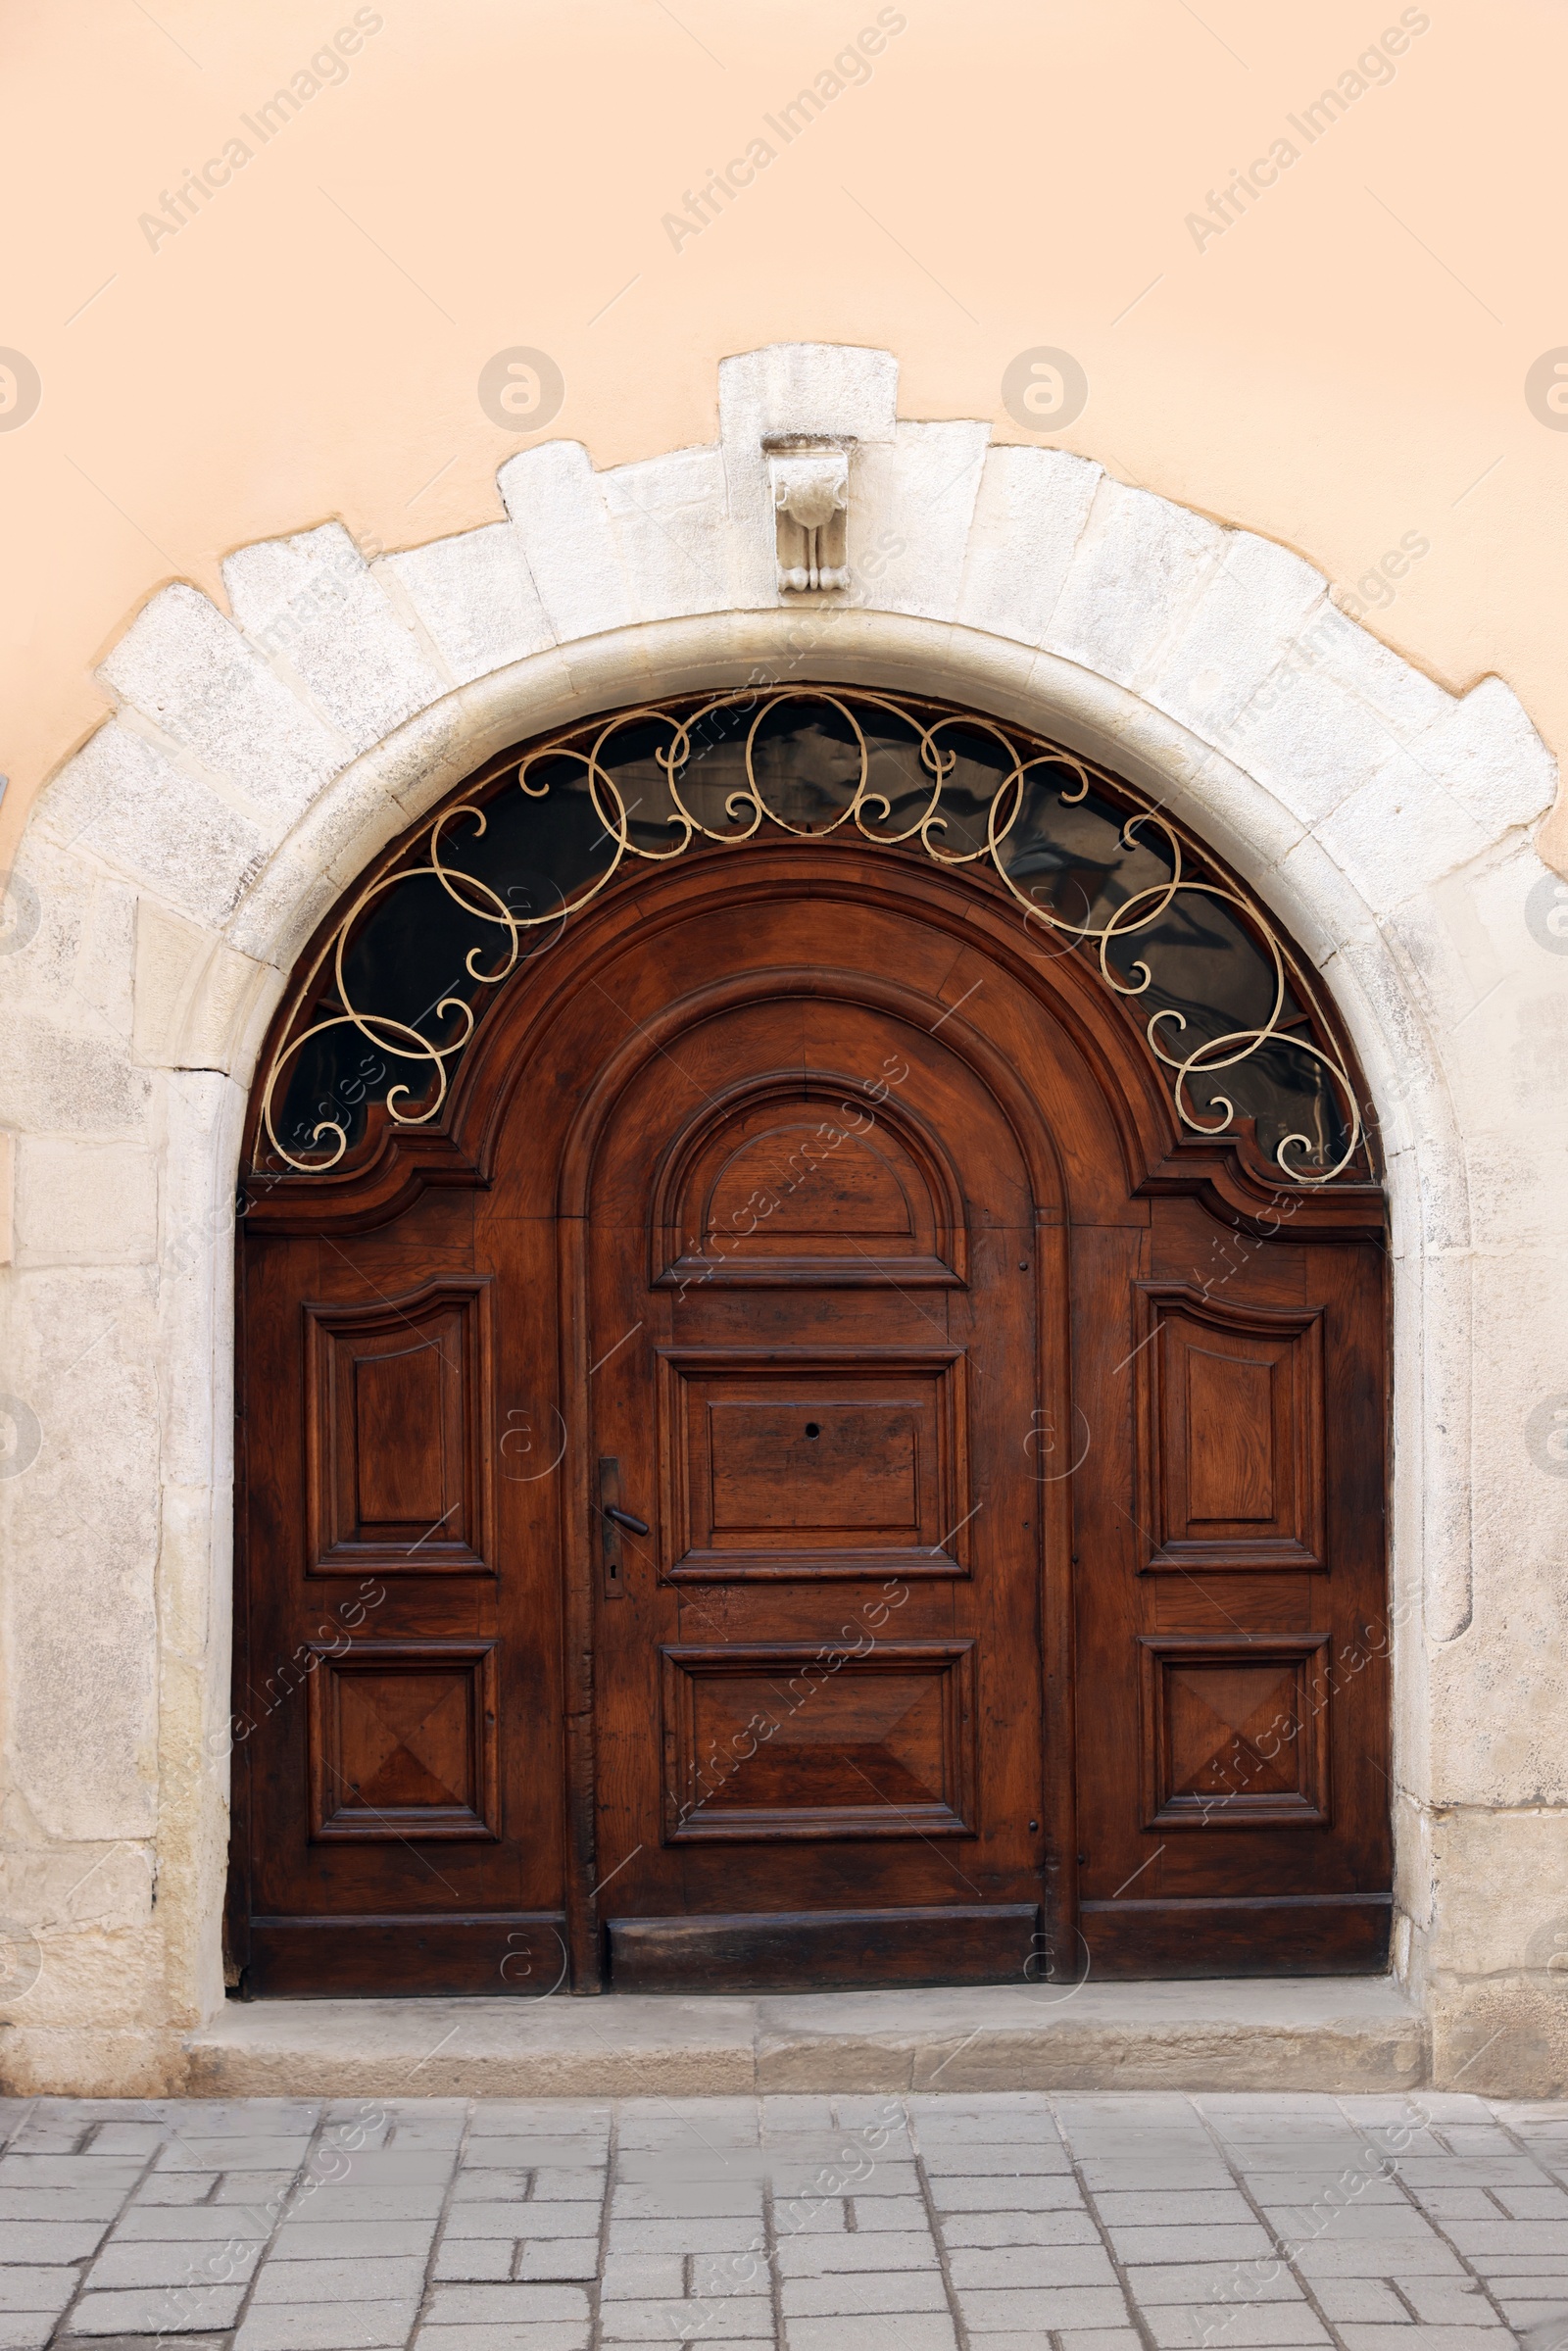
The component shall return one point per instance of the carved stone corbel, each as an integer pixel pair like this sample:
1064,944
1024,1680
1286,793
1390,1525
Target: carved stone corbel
811,485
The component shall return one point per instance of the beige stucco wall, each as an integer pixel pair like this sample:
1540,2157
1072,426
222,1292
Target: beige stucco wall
308,344
1335,370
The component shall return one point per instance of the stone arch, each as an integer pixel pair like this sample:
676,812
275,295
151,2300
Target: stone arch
177,863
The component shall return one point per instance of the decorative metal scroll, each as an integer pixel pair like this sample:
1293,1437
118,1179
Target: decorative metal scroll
391,1001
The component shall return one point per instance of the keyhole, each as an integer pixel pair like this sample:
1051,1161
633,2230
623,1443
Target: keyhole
811,1429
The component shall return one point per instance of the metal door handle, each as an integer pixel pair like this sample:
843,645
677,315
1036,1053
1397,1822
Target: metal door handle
624,1518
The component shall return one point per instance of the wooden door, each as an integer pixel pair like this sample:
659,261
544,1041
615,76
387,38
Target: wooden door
807,1476
812,1332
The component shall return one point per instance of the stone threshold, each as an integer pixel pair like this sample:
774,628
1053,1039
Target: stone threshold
1302,2032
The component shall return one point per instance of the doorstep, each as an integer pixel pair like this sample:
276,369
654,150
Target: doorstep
1309,2032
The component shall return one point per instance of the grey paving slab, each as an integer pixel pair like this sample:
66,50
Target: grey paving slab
382,2326
844,2295
925,2332
30,2289
153,2311
990,2311
173,2261
554,2225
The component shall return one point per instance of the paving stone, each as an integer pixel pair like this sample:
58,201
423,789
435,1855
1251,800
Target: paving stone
1189,2207
1366,2298
49,2241
718,2200
1211,2281
1417,2338
719,2275
982,2195
212,2224
1024,2308
68,2170
887,2249
60,2203
1446,2301
327,2240
564,2257
1459,2203
383,2326
24,2288
1236,2330
889,2212
176,2187
1508,2236
350,2200
527,2218
1532,2203
548,2334
469,2257
491,2304
660,2276
379,2281
672,2322
682,2236
166,2261
26,2330
1376,2257
844,2295
926,2331
1018,2228
189,2153
1239,2241
156,2311
1031,2265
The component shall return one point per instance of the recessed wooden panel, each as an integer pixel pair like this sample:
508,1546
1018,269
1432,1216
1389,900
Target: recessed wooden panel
815,1464
1235,1733
403,1741
396,1433
1231,1432
790,1741
819,1181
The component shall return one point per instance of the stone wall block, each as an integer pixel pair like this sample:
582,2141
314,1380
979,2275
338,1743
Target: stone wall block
125,800
1029,515
556,504
673,527
58,1079
310,603
84,1204
475,597
78,1532
194,676
1399,832
911,503
1407,702
1135,574
1488,755
204,1118
192,994
821,390
1258,607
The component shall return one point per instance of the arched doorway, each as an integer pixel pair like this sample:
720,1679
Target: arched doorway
829,1430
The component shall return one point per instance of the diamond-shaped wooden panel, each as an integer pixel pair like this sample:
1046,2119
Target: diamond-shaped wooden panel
1236,1733
403,1741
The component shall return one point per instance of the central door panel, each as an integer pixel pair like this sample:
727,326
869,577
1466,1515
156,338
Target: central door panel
813,1354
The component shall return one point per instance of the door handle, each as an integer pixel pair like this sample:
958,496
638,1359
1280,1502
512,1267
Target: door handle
624,1518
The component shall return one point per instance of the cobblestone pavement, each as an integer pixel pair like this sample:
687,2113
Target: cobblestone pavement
1115,2222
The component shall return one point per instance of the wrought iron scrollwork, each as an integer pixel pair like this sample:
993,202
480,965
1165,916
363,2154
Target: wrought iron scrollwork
878,740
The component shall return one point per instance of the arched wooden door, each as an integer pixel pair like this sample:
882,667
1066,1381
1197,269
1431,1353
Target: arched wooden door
803,1479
